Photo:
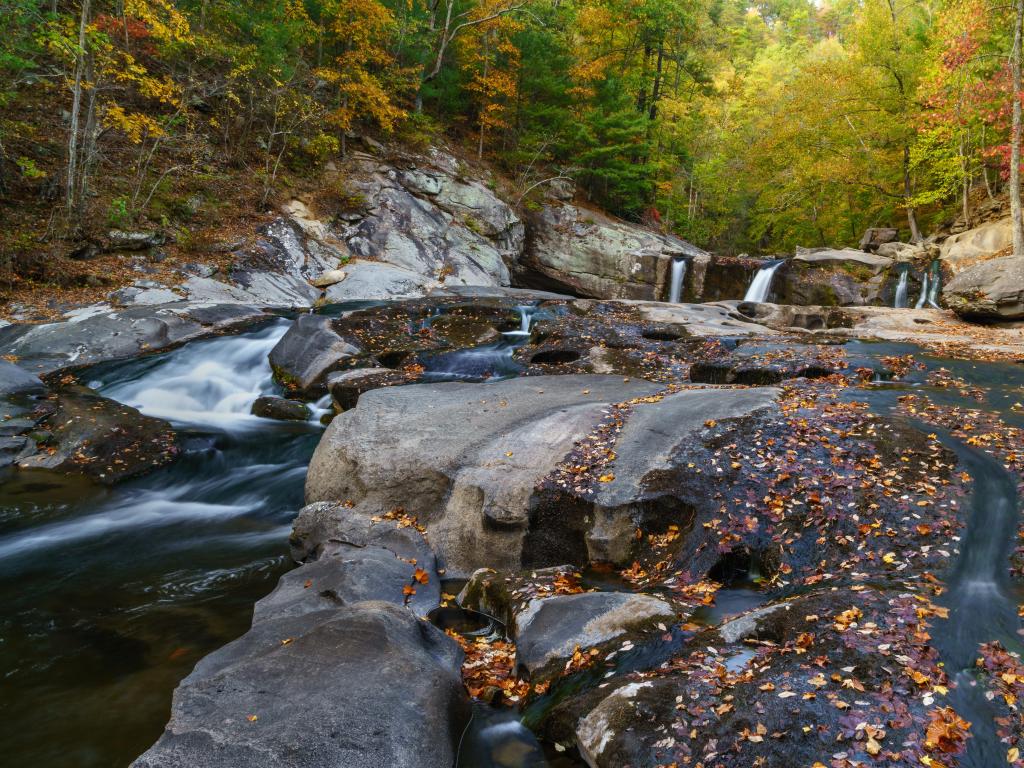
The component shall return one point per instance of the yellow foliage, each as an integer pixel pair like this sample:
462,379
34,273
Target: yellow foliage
135,125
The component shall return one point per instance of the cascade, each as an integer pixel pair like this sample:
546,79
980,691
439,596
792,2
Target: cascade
762,282
902,287
678,275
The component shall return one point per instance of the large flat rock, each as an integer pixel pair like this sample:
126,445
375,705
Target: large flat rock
103,334
468,462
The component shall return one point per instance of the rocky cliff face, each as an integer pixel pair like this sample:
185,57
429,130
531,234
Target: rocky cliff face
585,252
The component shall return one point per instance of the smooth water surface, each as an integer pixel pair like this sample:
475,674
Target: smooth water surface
111,595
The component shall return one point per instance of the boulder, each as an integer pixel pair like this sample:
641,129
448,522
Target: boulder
120,240
965,249
278,408
101,438
15,380
377,280
318,682
98,334
583,252
550,629
468,463
309,351
991,290
346,386
15,448
877,236
835,277
841,256
349,574
327,279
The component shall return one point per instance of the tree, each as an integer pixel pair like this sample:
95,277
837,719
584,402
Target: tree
1015,133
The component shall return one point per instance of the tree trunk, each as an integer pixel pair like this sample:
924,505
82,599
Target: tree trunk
1015,134
76,110
915,232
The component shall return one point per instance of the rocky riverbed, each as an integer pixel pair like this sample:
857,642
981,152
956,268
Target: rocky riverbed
537,530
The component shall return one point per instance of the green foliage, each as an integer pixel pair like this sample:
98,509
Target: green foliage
743,127
118,215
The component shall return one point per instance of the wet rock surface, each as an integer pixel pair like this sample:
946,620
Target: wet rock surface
83,433
309,351
695,534
281,409
551,629
272,698
100,334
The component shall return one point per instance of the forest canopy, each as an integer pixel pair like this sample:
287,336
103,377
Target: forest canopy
740,126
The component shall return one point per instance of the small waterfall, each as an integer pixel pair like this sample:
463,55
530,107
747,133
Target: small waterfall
762,282
936,284
924,292
211,384
931,284
902,287
526,313
678,275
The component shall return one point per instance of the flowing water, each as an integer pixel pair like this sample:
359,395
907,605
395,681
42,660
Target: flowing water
678,275
111,595
902,287
761,285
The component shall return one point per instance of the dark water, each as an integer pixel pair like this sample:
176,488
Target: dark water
110,596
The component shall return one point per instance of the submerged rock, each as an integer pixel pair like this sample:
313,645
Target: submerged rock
281,409
101,438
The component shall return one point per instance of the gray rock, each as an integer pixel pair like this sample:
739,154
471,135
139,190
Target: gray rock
874,262
646,445
362,686
877,236
199,269
376,280
588,254
467,461
441,451
323,528
550,629
329,278
965,249
991,290
307,353
120,240
15,380
14,449
433,223
103,439
350,574
720,319
99,334
278,408
260,288
346,386
136,296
